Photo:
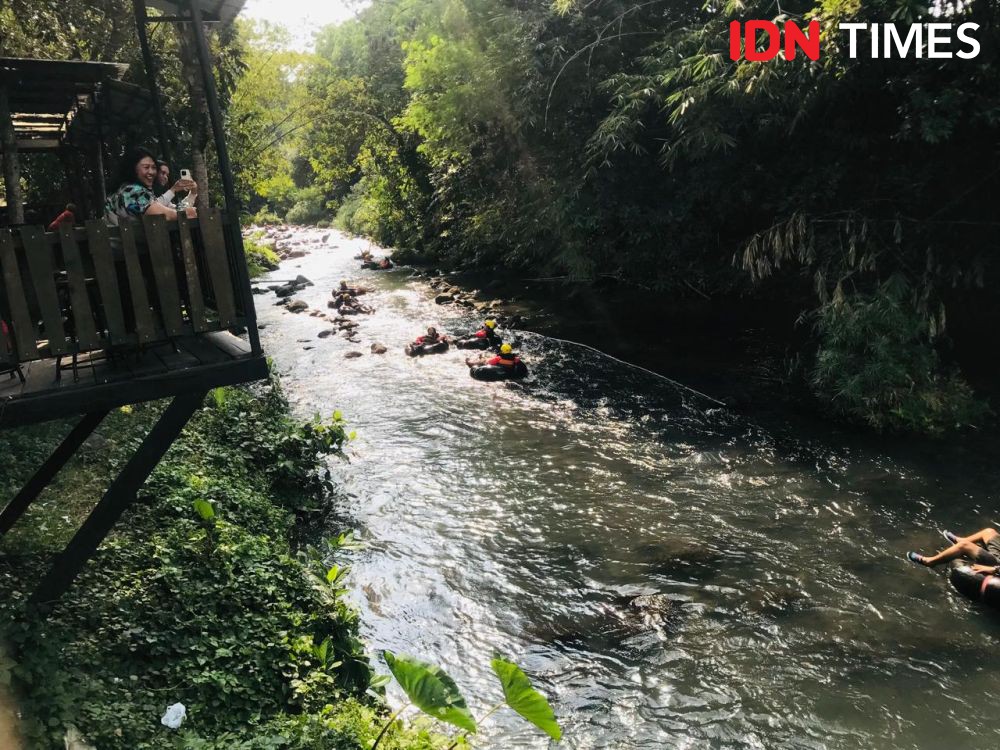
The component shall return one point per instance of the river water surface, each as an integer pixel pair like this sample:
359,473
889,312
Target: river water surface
524,519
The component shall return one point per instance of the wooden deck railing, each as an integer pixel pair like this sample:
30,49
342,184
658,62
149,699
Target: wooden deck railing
100,287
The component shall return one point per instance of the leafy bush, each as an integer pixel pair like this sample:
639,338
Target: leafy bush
876,365
260,258
309,207
266,216
350,215
199,595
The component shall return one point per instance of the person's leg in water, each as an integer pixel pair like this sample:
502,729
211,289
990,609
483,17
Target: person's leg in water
964,546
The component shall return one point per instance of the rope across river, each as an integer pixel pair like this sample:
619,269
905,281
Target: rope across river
673,382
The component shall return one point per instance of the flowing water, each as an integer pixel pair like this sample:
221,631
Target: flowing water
525,519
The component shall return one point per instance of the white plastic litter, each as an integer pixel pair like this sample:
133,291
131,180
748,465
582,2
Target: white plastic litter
174,716
73,740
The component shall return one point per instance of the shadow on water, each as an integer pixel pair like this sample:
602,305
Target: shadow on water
673,574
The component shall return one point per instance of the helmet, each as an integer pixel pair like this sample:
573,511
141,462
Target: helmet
343,283
506,349
490,323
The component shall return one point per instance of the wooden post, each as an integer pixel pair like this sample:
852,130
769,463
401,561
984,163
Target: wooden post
118,498
102,186
11,167
225,168
139,7
46,473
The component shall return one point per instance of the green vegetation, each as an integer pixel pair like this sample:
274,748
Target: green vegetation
202,595
260,258
876,356
434,692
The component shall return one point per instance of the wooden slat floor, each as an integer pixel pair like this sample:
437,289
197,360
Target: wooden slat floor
198,362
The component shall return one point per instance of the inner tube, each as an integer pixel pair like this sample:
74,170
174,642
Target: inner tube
492,373
980,587
473,342
418,350
371,265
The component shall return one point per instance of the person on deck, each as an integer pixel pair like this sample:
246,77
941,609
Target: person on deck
166,198
506,358
135,196
66,217
982,548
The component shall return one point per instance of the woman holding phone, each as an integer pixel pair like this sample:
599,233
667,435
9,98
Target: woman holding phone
184,183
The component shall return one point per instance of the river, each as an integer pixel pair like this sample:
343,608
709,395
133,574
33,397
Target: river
524,518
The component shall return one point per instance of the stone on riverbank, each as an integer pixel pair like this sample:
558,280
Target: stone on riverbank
378,348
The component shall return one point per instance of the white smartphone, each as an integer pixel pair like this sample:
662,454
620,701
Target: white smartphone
185,174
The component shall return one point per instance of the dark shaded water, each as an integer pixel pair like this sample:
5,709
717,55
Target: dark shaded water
522,518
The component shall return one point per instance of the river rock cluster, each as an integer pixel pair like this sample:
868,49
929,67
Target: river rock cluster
286,241
447,294
344,308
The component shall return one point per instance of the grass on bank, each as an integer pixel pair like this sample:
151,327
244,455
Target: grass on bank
200,595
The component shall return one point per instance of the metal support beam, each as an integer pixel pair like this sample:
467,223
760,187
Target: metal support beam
120,495
48,470
102,186
225,168
139,6
175,19
11,166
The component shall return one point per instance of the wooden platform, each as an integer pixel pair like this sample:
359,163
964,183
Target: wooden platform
189,364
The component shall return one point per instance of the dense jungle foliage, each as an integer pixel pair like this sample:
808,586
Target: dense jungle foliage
204,594
604,140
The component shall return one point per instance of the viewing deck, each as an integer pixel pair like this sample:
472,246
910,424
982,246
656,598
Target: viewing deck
192,364
98,317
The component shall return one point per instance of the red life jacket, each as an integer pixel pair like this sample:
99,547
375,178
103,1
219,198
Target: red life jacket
508,360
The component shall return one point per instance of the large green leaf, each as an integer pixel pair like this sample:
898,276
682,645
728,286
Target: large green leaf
431,690
204,509
523,698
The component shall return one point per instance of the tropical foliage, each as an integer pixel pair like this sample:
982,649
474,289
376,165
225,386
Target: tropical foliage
205,594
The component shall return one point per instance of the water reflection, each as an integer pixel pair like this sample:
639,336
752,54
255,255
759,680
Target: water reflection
672,574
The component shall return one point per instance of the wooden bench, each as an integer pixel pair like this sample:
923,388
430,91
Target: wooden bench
116,289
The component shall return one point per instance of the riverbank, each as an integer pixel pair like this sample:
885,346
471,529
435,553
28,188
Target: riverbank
206,593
